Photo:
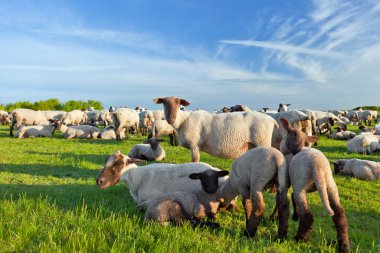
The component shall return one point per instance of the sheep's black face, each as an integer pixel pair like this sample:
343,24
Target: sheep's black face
209,179
111,172
338,167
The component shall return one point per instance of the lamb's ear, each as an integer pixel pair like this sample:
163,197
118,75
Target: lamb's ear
158,100
183,102
195,176
288,104
312,139
286,124
134,160
223,173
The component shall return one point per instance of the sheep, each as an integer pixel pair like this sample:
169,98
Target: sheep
81,132
27,117
125,118
309,170
237,108
283,107
162,127
54,115
146,119
151,150
353,115
36,131
364,143
75,117
365,117
158,114
341,135
181,205
153,180
225,135
108,133
5,118
362,169
250,175
320,117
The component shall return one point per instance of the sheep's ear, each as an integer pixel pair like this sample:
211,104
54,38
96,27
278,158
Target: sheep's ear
134,160
286,124
184,102
288,104
158,100
280,105
223,173
312,139
195,176
147,141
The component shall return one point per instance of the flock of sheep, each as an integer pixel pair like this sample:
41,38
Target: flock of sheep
271,150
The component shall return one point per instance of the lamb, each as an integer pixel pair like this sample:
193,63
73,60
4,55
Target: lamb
309,170
36,131
364,143
362,169
143,182
226,135
125,118
341,135
151,150
75,117
283,107
193,206
162,127
250,175
27,117
81,132
108,133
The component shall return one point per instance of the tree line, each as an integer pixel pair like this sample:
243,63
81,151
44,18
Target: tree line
53,104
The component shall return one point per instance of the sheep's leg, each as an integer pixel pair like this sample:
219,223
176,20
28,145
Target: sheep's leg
340,222
171,139
295,214
306,217
283,213
195,156
11,128
254,207
126,132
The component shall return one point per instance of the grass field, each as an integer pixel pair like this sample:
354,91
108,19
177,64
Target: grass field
49,203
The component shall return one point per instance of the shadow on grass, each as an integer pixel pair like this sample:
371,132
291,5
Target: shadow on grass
96,158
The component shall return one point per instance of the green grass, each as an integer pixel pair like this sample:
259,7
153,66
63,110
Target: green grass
49,203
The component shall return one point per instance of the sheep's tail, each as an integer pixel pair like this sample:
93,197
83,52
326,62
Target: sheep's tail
320,183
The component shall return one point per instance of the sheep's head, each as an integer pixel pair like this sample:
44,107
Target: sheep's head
296,139
283,107
112,170
171,107
154,142
209,179
338,166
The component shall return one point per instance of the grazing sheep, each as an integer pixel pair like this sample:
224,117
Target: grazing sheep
364,143
153,180
250,175
75,117
181,206
108,133
161,127
309,170
151,150
36,131
225,135
105,117
362,169
353,115
81,132
27,117
283,107
125,118
365,117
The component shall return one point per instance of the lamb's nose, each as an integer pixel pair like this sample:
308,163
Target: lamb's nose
99,181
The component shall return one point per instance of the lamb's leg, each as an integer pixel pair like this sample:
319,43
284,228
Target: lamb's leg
256,202
195,156
340,222
283,213
306,217
171,139
295,214
11,128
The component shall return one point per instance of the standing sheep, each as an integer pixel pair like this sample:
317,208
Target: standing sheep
151,150
162,127
75,117
123,119
309,170
226,135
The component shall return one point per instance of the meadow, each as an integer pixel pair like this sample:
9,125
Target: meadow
49,202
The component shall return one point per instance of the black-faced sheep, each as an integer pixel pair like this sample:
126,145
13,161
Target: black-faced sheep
362,169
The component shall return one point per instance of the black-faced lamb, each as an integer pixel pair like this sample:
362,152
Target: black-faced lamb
225,135
151,150
283,107
362,169
309,170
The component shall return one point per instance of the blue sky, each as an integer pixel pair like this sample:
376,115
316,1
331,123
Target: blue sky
321,54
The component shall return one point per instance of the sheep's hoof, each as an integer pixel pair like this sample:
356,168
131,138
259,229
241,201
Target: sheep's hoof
295,216
273,217
249,233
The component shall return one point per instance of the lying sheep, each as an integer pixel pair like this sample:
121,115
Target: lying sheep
309,170
162,127
151,150
75,117
364,143
81,132
225,135
109,133
250,175
5,118
27,117
341,135
144,182
362,169
193,206
36,131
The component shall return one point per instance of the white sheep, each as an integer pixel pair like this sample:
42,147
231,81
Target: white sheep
250,175
153,180
27,117
54,114
364,143
309,170
109,133
75,117
226,135
362,169
81,132
161,127
36,131
146,120
5,118
123,119
342,135
151,150
283,107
